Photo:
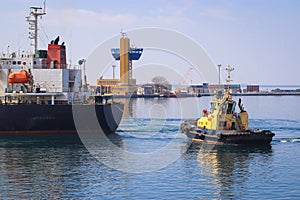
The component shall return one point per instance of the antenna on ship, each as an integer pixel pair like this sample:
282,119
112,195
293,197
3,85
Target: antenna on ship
45,6
219,66
32,19
228,80
229,70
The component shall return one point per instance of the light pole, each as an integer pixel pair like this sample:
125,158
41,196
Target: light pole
113,66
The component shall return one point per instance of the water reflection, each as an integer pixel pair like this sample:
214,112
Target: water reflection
141,107
167,108
128,106
229,168
45,167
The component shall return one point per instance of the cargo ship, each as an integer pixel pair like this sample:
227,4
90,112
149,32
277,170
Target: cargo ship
41,94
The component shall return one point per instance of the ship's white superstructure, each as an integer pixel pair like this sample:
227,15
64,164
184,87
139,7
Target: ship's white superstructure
43,72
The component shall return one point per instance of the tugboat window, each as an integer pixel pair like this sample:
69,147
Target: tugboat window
212,107
224,109
230,108
222,124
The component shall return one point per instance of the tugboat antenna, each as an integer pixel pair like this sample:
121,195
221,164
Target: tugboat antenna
229,70
219,65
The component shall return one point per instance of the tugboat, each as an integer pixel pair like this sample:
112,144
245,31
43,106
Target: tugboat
222,125
39,92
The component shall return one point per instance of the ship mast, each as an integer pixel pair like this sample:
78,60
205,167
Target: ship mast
32,19
219,66
228,80
229,70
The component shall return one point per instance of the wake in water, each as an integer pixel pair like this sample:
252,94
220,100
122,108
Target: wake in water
286,130
165,129
289,140
147,128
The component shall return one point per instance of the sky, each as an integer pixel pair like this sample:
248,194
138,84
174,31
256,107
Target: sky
259,38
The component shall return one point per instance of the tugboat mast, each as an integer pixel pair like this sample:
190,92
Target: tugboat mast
229,70
35,12
219,66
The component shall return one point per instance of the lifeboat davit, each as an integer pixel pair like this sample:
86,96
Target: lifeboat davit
19,77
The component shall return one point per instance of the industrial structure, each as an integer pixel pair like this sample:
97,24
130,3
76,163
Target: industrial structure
210,88
125,85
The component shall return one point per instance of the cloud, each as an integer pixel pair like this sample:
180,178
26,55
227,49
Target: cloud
170,16
171,9
219,13
82,19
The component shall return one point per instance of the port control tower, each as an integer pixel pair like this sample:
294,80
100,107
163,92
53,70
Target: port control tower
126,54
125,85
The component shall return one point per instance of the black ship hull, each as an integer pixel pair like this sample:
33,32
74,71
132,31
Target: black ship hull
240,137
58,119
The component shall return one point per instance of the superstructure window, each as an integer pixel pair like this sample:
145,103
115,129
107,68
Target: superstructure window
212,107
224,108
230,109
222,124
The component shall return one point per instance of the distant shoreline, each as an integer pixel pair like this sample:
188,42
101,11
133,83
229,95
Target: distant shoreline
259,94
211,94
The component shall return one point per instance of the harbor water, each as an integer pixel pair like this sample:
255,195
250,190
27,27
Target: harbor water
63,168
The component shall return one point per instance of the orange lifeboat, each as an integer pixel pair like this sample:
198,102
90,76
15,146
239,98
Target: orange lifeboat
19,77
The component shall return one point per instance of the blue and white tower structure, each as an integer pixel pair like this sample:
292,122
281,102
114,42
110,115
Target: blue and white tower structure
126,54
